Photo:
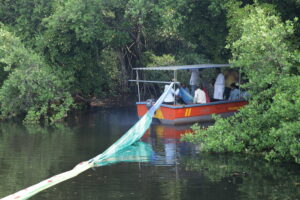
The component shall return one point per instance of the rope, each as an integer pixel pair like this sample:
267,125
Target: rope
130,137
43,185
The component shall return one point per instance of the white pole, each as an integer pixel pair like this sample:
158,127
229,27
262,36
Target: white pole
138,84
175,80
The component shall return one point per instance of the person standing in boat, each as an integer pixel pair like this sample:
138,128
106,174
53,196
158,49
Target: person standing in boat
219,86
200,96
170,98
194,80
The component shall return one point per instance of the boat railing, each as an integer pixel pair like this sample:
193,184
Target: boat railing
196,105
146,81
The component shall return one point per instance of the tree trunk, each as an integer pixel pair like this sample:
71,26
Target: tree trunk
124,74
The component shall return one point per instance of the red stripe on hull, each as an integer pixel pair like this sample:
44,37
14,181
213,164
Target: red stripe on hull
167,112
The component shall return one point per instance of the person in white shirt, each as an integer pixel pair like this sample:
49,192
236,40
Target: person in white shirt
170,98
219,86
199,96
194,80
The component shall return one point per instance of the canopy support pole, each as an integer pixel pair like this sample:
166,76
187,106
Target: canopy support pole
175,80
138,84
161,82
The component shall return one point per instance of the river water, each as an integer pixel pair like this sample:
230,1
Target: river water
175,170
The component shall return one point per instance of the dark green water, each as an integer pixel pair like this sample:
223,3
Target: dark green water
175,171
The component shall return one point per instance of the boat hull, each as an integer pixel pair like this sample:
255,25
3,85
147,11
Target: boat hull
187,114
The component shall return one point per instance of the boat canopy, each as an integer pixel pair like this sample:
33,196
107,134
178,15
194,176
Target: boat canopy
174,68
183,67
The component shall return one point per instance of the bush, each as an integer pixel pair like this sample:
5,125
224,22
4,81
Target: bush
270,123
31,87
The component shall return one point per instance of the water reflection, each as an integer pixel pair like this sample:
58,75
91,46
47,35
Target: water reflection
156,139
29,154
159,167
165,141
138,152
223,176
252,177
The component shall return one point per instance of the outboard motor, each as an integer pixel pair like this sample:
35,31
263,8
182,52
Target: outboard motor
149,103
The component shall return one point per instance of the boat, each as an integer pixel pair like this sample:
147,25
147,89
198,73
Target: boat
179,114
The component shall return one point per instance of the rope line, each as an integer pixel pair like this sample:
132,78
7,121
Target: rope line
130,137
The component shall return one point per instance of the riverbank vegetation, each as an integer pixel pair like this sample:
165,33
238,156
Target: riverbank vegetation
55,53
266,49
89,48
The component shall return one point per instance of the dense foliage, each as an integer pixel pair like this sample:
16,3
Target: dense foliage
30,86
270,123
52,51
93,45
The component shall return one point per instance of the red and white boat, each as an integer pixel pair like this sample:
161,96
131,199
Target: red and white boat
191,113
185,114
